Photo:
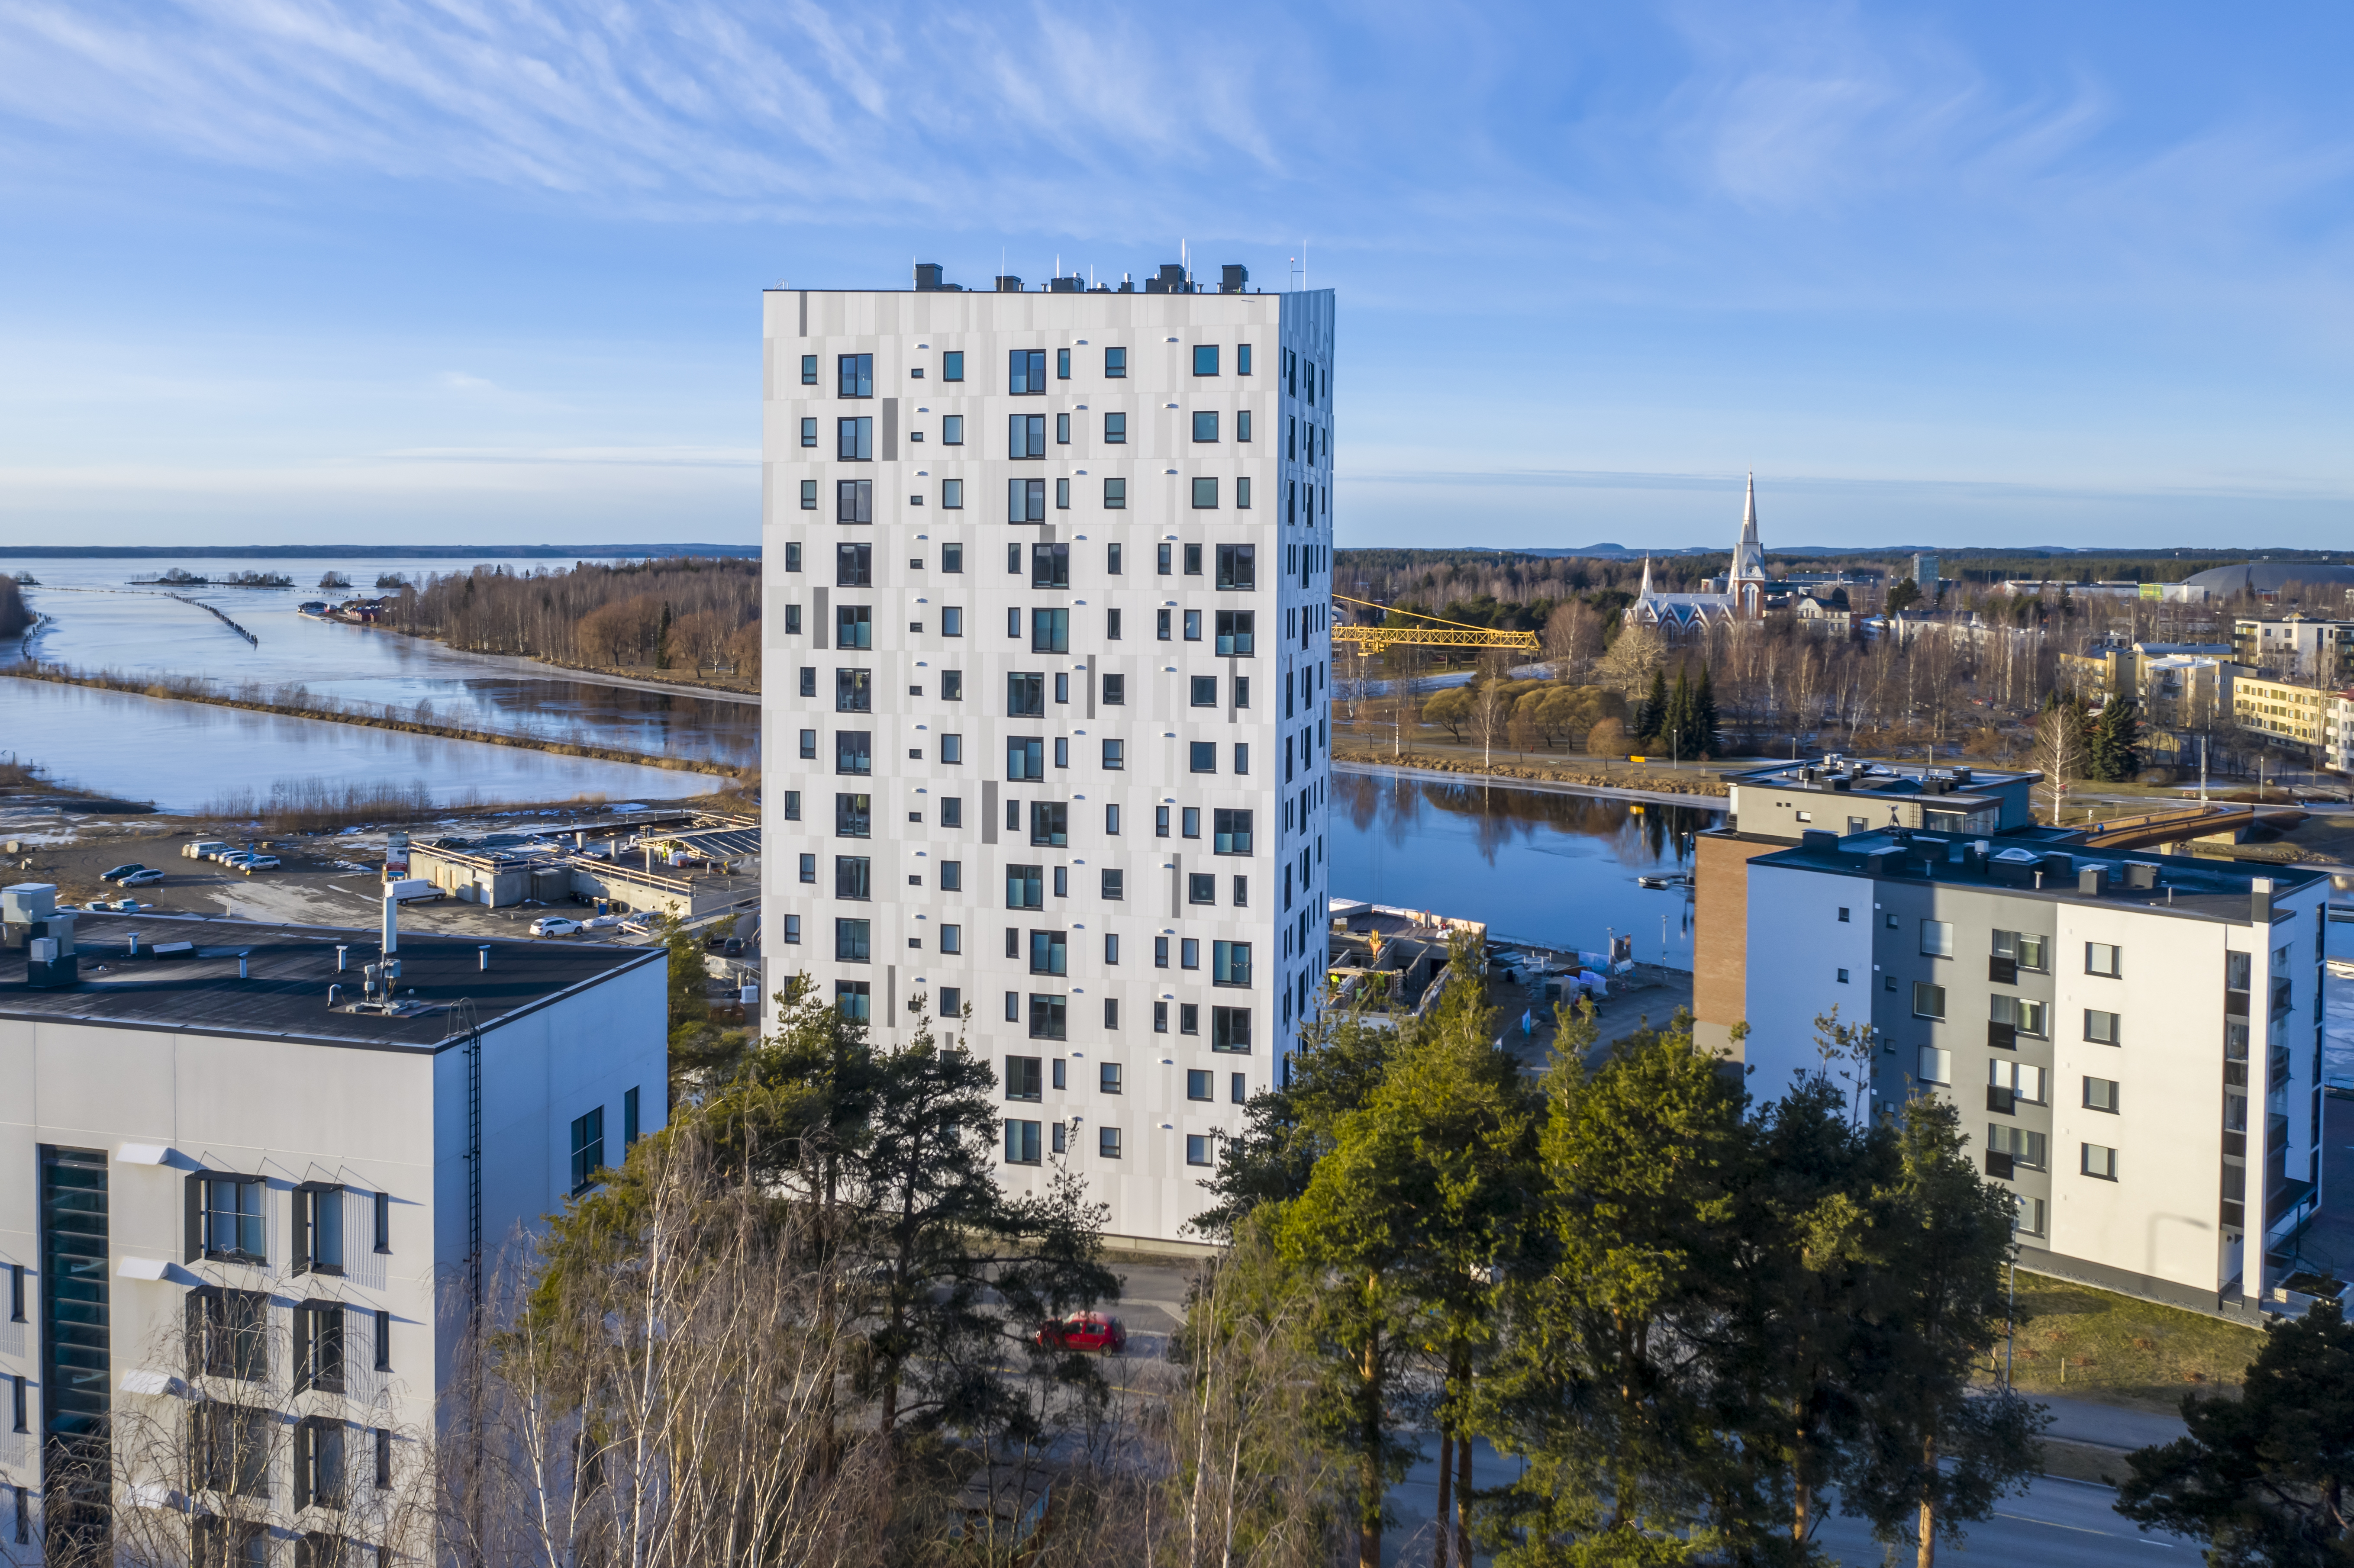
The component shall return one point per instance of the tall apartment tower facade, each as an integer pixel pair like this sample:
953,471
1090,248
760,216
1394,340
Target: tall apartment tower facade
1044,695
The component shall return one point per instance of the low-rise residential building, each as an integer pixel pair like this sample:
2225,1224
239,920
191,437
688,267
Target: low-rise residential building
259,1171
2134,1042
2282,711
2187,690
2110,669
1772,808
1826,614
2338,733
2294,647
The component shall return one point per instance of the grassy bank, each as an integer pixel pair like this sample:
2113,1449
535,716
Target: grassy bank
296,702
1591,772
2121,1350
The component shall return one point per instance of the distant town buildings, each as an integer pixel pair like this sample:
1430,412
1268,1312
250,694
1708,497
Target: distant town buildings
2294,647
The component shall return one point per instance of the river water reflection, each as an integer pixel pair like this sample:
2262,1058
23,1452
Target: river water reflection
102,620
184,756
1537,866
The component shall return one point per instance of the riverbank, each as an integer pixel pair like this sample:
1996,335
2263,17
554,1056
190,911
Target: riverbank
1598,775
670,684
189,689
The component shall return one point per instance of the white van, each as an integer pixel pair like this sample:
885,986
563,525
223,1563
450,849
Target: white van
205,849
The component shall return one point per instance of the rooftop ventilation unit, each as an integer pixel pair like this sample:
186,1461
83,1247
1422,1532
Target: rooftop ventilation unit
1008,284
1232,277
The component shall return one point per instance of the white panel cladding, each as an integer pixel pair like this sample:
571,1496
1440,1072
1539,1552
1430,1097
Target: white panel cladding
2161,1217
293,1110
1283,735
1798,947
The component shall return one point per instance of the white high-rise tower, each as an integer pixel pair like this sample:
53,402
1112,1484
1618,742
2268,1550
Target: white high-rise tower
1044,695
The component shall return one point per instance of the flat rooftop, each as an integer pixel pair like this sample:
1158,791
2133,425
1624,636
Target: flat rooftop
1884,781
2187,886
288,970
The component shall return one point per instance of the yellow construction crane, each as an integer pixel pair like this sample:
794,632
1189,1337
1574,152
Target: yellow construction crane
1443,634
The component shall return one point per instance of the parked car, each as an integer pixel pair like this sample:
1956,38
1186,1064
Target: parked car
254,863
142,877
120,871
235,859
204,849
127,904
601,922
554,926
733,948
1085,1331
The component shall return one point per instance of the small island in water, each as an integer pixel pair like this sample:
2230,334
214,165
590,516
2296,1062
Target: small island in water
180,576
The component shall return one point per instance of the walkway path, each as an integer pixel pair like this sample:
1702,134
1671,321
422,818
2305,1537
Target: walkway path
541,670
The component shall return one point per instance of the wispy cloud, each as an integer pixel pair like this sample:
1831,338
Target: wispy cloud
2040,246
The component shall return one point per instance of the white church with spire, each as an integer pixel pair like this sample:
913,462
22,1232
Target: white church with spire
1677,616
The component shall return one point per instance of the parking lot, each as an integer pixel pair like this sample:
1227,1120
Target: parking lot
322,880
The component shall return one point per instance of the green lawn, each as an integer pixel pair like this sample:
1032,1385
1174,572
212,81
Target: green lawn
2119,1350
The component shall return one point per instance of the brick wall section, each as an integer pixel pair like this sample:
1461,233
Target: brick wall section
1721,932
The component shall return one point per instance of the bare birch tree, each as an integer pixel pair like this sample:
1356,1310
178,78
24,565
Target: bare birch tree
235,1431
2060,754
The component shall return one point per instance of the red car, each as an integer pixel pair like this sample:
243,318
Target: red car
1085,1331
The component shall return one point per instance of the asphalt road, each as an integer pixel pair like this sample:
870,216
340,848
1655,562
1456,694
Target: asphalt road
2057,1524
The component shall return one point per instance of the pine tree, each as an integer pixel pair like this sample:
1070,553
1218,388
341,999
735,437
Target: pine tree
1933,1453
1627,1458
2264,1478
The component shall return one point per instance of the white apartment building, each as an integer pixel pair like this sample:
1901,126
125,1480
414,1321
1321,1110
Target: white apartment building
2134,1041
1045,684
252,1192
2294,647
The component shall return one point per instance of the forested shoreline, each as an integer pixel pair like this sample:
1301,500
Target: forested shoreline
682,615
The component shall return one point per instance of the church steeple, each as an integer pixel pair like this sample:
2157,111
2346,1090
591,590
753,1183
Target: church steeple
1647,575
1749,552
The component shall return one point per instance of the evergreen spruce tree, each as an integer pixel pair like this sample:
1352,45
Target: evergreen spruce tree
1675,728
1654,711
2115,741
1704,737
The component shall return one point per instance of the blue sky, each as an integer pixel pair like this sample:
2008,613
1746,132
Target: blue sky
487,270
